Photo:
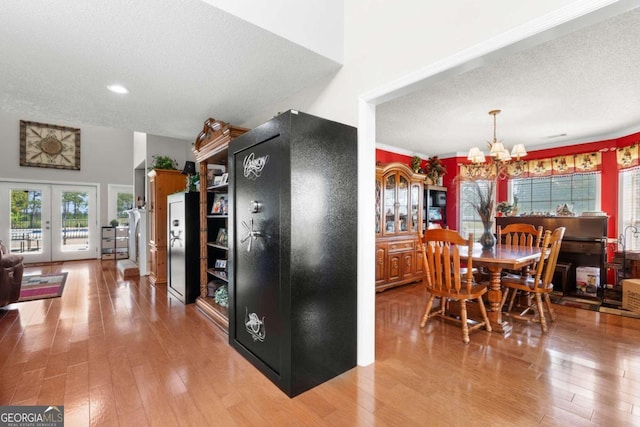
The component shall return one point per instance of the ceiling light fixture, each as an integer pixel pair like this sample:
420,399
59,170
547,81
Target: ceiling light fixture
499,160
119,89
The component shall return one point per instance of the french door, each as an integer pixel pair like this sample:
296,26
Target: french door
49,222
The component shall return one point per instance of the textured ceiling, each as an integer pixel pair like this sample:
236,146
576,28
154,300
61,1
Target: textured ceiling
185,61
585,84
182,60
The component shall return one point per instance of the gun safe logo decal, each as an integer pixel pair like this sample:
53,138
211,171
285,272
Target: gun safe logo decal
253,166
255,326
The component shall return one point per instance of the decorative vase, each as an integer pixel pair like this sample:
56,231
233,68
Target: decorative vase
487,239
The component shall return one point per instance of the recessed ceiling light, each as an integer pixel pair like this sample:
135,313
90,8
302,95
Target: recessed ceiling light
119,89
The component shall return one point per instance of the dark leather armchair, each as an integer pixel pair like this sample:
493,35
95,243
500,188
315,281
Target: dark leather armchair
11,269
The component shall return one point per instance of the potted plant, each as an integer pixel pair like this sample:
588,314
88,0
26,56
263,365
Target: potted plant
416,162
435,169
163,162
503,208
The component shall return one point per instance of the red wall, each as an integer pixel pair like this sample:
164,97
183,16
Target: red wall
609,177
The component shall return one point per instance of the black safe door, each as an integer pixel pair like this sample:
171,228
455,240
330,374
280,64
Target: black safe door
257,256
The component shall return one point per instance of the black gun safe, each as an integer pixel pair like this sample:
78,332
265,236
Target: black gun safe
292,247
183,246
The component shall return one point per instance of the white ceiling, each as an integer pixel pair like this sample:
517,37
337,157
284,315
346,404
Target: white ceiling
585,84
182,60
185,61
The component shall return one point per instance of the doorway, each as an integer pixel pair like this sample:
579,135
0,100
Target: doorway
49,222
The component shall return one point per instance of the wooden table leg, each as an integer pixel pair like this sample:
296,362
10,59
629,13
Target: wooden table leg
494,296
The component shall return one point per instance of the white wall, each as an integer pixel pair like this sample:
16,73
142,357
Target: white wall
315,24
105,157
386,40
177,149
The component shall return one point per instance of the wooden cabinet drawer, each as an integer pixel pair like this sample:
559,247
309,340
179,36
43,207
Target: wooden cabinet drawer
403,245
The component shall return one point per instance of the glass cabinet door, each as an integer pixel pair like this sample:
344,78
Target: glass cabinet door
415,199
390,204
378,207
403,204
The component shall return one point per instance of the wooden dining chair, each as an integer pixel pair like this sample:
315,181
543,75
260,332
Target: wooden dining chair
538,284
519,234
443,279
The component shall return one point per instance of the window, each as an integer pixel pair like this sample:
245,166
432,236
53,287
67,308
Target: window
580,192
629,214
120,199
469,219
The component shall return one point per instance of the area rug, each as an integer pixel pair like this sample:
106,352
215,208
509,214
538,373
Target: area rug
42,286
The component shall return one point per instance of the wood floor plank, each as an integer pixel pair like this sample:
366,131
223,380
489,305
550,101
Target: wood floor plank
122,352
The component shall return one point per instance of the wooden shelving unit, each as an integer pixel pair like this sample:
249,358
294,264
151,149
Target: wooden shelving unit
211,148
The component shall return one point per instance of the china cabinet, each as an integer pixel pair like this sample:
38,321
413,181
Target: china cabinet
399,212
211,150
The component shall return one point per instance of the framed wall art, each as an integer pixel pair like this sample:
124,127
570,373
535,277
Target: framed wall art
49,146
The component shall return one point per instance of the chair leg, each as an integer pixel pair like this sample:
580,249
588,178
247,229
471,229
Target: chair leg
463,319
514,293
483,311
552,313
427,310
505,295
543,322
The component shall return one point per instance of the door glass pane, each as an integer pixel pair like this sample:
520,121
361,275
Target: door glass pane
75,228
26,221
403,203
389,204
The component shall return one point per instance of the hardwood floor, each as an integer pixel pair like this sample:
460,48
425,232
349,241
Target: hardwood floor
117,352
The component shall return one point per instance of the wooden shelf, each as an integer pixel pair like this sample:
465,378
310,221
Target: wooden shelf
214,188
214,311
212,148
222,275
215,245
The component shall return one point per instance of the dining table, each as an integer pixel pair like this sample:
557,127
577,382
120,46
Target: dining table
495,260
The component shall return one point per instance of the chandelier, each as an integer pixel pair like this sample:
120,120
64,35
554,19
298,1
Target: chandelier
501,163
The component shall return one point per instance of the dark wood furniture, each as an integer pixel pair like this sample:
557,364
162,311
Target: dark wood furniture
435,206
440,250
212,148
584,244
162,182
399,207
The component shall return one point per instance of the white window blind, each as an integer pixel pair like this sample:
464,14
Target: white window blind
542,195
629,214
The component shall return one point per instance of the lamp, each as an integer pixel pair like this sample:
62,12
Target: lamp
189,170
499,158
